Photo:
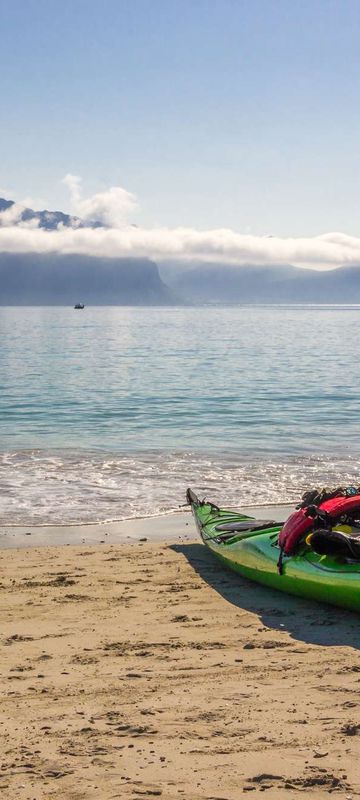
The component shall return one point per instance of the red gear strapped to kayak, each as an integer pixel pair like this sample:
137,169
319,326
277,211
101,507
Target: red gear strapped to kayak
301,521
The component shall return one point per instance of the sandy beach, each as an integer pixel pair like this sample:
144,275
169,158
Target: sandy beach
146,670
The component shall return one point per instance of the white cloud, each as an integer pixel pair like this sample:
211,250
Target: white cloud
12,215
227,246
111,207
36,203
29,224
120,239
73,183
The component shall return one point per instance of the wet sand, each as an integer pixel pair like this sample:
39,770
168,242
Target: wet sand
146,670
166,528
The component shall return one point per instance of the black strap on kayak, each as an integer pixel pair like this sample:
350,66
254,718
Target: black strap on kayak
280,565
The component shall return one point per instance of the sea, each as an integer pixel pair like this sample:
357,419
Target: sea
111,413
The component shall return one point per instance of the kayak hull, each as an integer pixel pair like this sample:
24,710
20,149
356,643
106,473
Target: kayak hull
255,556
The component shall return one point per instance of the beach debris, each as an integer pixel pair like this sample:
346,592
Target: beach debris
18,638
351,729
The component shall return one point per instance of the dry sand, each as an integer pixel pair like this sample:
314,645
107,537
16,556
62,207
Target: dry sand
146,670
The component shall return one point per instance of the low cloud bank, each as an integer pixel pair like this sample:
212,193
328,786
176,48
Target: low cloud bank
118,239
227,246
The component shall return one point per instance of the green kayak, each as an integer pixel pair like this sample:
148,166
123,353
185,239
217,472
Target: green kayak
251,548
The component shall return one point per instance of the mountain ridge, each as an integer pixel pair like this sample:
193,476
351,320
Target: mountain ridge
47,220
37,279
223,284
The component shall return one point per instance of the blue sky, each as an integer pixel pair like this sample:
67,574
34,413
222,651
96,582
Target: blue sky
214,113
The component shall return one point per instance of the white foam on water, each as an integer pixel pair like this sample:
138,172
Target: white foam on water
61,487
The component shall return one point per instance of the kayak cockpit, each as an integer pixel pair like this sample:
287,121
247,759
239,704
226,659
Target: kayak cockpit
247,525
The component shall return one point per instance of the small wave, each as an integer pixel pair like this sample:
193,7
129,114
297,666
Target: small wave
63,488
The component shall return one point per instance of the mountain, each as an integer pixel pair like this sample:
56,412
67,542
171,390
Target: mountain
36,279
55,279
221,283
49,220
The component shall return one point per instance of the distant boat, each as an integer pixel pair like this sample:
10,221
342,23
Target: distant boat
79,305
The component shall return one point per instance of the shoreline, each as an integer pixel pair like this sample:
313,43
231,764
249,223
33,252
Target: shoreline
174,527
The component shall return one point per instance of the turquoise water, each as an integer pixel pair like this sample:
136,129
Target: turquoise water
111,412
